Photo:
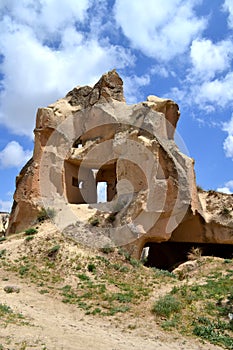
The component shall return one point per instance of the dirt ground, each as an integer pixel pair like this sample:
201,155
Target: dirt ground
53,325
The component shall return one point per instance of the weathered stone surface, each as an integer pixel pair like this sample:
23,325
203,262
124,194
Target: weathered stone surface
92,136
11,289
4,219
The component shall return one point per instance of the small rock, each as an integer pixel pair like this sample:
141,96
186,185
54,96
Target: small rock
12,289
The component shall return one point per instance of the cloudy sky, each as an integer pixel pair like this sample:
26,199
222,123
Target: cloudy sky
181,49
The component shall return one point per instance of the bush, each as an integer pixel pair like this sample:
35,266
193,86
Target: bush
30,231
91,267
2,252
112,217
225,212
107,249
54,250
45,214
94,221
29,238
214,332
166,306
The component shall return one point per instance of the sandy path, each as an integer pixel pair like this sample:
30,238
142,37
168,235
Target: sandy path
54,325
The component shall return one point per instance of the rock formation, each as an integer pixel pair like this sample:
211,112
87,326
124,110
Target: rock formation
4,218
92,138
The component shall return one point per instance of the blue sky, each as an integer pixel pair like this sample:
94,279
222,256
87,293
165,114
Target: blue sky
181,49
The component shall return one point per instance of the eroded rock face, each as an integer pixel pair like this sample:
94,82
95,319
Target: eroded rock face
4,219
91,137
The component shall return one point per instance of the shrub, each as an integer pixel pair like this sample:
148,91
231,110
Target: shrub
94,221
29,238
166,306
225,212
112,217
83,277
194,253
30,231
2,252
199,188
91,267
45,214
5,309
107,249
215,332
54,250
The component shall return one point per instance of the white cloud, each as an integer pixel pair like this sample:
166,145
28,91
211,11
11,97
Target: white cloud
38,72
13,155
228,187
47,17
161,71
224,190
228,143
160,29
132,85
5,206
228,7
207,95
218,91
209,58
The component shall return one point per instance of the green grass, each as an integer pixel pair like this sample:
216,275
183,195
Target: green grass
29,238
167,305
214,332
7,315
54,250
109,283
30,231
2,253
203,308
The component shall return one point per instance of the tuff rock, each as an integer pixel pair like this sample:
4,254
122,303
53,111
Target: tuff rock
92,136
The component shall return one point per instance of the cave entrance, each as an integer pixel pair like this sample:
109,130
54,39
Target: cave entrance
168,255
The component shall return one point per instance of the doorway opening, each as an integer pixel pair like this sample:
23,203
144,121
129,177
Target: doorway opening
168,255
102,192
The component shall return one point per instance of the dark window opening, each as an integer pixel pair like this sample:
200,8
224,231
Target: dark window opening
78,143
77,183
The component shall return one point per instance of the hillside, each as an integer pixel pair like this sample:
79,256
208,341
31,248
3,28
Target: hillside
56,294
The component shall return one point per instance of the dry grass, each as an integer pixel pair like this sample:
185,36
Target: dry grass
108,283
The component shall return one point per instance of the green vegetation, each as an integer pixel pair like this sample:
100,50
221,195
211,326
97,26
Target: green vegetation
2,253
225,212
54,250
167,306
45,214
107,249
29,238
94,221
7,315
203,308
30,231
199,188
109,282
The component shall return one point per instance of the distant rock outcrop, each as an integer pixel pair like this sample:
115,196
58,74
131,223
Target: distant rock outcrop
91,137
4,219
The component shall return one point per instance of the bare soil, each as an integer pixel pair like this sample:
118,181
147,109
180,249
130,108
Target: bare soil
50,324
